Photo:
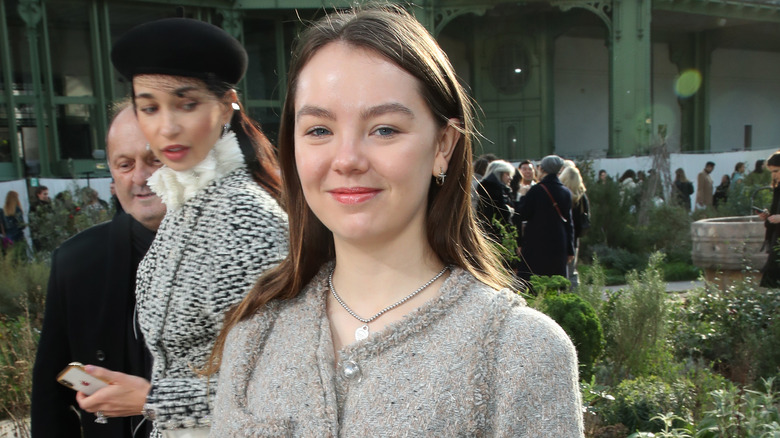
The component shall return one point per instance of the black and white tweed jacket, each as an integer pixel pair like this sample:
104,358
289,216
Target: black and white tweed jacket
211,246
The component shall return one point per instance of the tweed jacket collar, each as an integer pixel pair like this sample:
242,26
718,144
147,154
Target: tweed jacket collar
177,187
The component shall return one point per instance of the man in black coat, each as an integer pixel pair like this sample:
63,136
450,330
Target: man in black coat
548,241
90,302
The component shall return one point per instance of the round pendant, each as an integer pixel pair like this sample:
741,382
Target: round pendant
361,332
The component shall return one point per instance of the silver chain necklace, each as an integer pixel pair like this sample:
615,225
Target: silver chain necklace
362,331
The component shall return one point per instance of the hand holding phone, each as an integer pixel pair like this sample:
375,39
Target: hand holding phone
75,377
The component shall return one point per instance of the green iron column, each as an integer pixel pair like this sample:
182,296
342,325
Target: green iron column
692,54
31,12
630,78
10,102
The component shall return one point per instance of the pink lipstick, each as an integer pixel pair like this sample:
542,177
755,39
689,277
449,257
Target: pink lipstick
353,195
175,152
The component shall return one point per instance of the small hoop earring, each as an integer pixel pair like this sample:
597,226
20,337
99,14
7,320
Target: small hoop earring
225,129
440,177
148,147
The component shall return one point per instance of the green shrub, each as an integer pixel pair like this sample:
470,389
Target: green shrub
581,323
18,341
742,413
612,223
634,321
65,217
680,271
639,402
619,259
23,286
668,231
735,328
593,278
543,285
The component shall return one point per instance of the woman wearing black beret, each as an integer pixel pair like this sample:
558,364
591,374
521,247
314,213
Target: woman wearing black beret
224,226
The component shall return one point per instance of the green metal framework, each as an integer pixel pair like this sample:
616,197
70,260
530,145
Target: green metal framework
627,29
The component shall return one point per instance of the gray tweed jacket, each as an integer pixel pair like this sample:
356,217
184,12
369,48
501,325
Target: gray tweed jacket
204,259
472,362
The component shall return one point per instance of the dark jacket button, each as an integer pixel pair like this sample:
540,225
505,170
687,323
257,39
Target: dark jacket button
100,355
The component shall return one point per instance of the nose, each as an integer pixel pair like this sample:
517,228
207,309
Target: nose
169,125
349,156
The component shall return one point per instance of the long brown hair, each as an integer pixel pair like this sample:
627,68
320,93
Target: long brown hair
11,203
451,229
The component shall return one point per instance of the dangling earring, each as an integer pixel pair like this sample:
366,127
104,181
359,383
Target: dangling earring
148,147
440,178
225,129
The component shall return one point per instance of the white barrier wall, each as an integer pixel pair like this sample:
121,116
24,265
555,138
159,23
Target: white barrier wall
692,164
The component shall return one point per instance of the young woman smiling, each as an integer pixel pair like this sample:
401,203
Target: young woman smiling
223,225
385,319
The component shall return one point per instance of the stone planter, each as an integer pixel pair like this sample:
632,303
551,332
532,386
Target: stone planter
9,429
728,248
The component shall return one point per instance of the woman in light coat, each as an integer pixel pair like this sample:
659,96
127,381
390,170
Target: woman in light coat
390,316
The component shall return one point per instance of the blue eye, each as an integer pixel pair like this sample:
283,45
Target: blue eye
318,132
148,109
385,131
189,105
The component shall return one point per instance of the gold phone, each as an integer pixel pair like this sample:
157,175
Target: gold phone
75,377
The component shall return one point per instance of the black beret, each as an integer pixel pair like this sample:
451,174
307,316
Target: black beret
180,47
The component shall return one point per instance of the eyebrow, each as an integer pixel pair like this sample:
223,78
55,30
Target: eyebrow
386,108
314,111
178,92
374,111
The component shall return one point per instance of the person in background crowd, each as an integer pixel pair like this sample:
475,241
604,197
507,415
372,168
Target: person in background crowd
722,192
628,180
13,218
90,301
495,198
480,167
641,177
602,176
548,240
704,186
629,189
514,188
759,176
683,189
91,200
580,214
41,206
526,171
303,357
223,226
527,177
739,173
771,271
42,199
737,186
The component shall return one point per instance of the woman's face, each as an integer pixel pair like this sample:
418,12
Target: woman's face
180,118
506,178
366,145
527,172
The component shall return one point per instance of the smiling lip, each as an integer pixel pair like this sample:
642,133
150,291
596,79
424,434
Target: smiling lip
353,195
175,152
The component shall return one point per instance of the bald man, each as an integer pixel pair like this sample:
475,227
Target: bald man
91,296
